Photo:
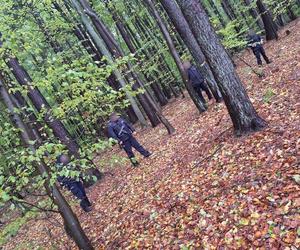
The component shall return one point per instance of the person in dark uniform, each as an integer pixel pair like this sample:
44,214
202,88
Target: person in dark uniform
197,80
255,42
76,187
123,131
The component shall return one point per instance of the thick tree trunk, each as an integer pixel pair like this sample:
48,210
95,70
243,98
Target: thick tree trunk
242,113
201,107
71,221
187,36
269,25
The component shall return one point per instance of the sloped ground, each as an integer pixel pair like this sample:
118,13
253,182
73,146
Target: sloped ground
204,188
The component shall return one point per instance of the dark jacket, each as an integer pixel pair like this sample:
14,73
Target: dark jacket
254,42
120,130
195,76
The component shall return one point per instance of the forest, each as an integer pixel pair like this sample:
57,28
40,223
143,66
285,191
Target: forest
206,91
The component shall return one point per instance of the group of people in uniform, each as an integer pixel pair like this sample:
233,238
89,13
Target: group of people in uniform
123,132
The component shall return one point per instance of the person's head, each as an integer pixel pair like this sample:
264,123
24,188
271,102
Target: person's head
187,65
114,117
64,159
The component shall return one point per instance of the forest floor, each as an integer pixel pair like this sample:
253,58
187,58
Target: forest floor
203,188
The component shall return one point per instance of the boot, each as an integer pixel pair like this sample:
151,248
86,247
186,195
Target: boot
134,162
85,205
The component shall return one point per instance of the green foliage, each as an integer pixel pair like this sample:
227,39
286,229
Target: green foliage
12,228
268,95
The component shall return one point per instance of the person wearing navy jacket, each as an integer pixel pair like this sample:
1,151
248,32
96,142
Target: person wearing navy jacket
197,80
255,42
122,131
74,186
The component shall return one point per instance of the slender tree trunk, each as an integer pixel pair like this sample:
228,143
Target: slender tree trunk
104,51
291,13
201,107
217,12
126,37
254,14
243,115
114,49
71,221
269,25
40,103
187,36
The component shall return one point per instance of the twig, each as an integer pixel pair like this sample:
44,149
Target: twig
251,67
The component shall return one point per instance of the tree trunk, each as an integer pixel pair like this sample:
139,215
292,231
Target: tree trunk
269,25
201,107
114,49
126,37
217,12
104,51
40,103
254,14
242,113
71,221
291,13
187,36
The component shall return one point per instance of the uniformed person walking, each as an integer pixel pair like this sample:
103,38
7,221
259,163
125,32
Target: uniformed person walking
255,42
76,187
197,80
123,131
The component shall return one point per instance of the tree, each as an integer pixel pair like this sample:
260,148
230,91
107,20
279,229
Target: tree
40,103
72,224
175,55
269,25
186,34
242,113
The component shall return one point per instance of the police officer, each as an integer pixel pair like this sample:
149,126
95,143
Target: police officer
76,187
122,131
255,42
197,80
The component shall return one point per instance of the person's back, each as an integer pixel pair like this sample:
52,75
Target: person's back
122,131
119,129
195,76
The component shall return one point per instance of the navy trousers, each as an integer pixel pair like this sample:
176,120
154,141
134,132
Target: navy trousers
199,89
258,52
130,143
78,191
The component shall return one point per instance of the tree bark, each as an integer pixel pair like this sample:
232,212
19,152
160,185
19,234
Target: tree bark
104,51
40,103
114,50
243,115
269,25
187,36
201,107
70,219
126,37
254,14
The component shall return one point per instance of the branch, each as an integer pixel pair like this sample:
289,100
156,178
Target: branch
210,156
90,13
38,207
